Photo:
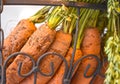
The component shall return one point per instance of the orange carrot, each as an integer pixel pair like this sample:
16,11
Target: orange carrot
98,79
90,45
18,37
61,46
58,77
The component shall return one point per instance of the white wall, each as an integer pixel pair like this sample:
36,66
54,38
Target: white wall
12,14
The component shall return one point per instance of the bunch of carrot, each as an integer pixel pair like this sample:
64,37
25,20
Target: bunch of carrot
21,33
89,42
38,44
60,45
92,34
47,38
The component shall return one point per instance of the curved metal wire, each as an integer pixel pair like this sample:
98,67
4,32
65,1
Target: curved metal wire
19,67
1,6
88,66
1,38
74,48
100,73
1,44
51,64
35,67
1,47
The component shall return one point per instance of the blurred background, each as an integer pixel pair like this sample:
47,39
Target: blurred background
12,14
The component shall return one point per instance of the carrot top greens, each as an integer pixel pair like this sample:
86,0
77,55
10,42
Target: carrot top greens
57,15
41,15
70,21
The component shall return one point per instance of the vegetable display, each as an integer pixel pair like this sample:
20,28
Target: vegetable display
98,34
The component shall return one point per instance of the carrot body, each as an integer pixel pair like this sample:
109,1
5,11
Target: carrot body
17,38
57,79
90,45
36,45
98,79
60,45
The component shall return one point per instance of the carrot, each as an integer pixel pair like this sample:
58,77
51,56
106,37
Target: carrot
57,79
90,38
90,45
18,37
36,45
23,30
98,79
91,42
60,45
